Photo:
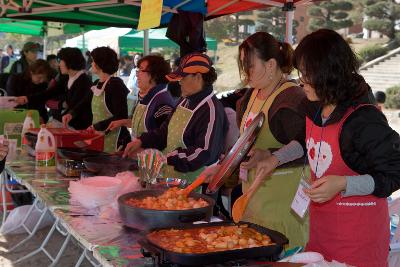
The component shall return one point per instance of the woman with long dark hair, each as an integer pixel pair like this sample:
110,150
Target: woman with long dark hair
354,155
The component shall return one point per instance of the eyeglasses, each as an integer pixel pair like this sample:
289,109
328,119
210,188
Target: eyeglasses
140,70
302,77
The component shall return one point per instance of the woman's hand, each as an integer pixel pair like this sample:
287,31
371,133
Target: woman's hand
116,124
90,128
132,148
66,119
267,166
325,188
210,171
21,100
256,155
3,149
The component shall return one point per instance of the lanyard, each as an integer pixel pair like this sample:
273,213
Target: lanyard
265,101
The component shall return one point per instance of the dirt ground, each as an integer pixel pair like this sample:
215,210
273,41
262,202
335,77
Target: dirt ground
69,258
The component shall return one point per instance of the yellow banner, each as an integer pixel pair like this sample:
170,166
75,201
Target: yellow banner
150,14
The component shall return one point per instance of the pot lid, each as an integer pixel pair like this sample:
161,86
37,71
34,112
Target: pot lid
237,153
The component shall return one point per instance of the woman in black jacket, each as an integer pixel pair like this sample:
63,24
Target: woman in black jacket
76,95
353,154
31,82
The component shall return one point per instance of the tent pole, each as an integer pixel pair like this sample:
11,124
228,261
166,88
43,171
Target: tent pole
146,48
83,39
289,9
45,40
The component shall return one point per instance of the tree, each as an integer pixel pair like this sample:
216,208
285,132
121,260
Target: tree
273,21
333,15
382,16
219,28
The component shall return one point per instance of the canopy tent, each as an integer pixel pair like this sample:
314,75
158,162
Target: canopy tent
39,28
126,13
133,41
112,13
126,40
29,27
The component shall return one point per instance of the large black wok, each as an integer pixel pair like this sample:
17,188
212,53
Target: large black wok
79,153
269,253
109,165
146,219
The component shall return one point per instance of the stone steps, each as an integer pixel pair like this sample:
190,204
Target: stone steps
384,74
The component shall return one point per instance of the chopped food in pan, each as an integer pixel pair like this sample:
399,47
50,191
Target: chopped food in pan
172,199
209,239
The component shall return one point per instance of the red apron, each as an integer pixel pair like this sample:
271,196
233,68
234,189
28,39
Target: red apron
354,230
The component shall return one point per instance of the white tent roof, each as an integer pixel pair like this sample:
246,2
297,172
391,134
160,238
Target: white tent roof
96,38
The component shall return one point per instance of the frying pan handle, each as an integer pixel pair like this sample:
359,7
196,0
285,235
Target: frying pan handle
148,249
193,217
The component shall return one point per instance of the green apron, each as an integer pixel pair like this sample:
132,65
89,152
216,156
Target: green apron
101,112
139,117
176,128
270,204
138,120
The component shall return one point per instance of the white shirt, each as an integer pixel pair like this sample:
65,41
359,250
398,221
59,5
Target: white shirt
72,79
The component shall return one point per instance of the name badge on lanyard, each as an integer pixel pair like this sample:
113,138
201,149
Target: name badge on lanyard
301,201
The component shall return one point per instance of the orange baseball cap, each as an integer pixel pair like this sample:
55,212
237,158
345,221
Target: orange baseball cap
191,64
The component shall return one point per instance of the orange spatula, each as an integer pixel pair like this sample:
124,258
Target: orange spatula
240,204
199,180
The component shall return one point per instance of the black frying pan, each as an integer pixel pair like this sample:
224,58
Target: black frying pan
79,153
145,219
109,165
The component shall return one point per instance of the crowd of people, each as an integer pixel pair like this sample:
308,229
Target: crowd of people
326,125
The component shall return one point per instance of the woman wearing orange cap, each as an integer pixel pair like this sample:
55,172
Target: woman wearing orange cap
193,135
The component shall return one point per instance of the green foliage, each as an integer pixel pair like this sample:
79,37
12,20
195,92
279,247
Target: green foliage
393,97
273,21
333,15
371,52
219,28
382,16
395,43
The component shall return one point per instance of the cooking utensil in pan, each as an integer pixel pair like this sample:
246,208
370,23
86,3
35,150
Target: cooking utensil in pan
199,181
88,142
145,219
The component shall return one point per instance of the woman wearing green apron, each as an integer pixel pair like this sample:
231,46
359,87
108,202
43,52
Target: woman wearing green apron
263,65
155,102
109,98
193,136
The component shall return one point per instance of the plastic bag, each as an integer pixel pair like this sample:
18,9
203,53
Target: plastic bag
95,191
17,216
324,263
130,182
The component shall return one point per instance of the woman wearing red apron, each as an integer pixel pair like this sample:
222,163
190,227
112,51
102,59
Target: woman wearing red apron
353,154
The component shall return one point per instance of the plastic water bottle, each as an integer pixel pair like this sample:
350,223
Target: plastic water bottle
45,149
28,124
